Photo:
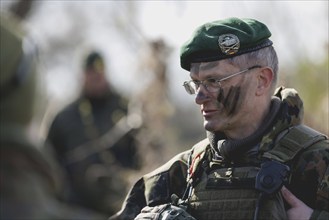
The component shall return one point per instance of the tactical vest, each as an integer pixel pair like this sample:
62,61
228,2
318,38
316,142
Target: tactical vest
230,193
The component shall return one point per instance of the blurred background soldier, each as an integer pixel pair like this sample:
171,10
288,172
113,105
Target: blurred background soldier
29,180
93,139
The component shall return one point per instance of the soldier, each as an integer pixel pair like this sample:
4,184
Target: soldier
258,161
93,141
30,182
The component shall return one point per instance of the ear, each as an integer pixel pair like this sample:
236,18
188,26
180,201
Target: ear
264,80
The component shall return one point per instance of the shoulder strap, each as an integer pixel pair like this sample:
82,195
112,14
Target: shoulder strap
294,140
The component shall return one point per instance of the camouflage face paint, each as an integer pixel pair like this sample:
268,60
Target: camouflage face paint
231,100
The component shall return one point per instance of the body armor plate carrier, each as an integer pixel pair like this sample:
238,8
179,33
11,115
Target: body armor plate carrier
232,193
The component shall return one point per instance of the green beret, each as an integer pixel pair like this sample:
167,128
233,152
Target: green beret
223,39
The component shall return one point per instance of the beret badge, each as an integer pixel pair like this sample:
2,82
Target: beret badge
229,43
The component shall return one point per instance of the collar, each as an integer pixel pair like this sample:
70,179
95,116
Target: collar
286,110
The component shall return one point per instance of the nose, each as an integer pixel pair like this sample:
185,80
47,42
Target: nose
202,95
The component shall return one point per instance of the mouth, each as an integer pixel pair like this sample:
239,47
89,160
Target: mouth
208,112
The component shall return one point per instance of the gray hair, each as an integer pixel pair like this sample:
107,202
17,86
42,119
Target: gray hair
264,57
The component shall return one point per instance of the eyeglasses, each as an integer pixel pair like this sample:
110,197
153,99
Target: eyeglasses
211,84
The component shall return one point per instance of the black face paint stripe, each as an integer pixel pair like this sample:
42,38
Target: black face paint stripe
235,100
231,100
220,95
227,100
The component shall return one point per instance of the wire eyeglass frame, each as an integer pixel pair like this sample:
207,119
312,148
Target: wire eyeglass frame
211,84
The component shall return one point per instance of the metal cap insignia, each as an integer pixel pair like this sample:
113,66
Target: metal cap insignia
229,43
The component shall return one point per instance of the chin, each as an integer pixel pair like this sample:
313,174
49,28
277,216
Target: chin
209,126
215,125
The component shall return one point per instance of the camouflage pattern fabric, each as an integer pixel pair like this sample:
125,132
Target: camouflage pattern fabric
308,179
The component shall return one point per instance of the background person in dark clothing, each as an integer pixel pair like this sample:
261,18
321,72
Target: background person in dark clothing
94,142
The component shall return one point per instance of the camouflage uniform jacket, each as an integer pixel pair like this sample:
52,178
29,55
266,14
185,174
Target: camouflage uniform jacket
308,179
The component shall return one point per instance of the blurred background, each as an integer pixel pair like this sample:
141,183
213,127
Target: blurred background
140,41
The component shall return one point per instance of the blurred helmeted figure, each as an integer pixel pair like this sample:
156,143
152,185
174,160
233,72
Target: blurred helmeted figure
29,180
93,140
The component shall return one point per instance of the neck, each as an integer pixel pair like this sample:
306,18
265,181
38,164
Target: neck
251,123
233,148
